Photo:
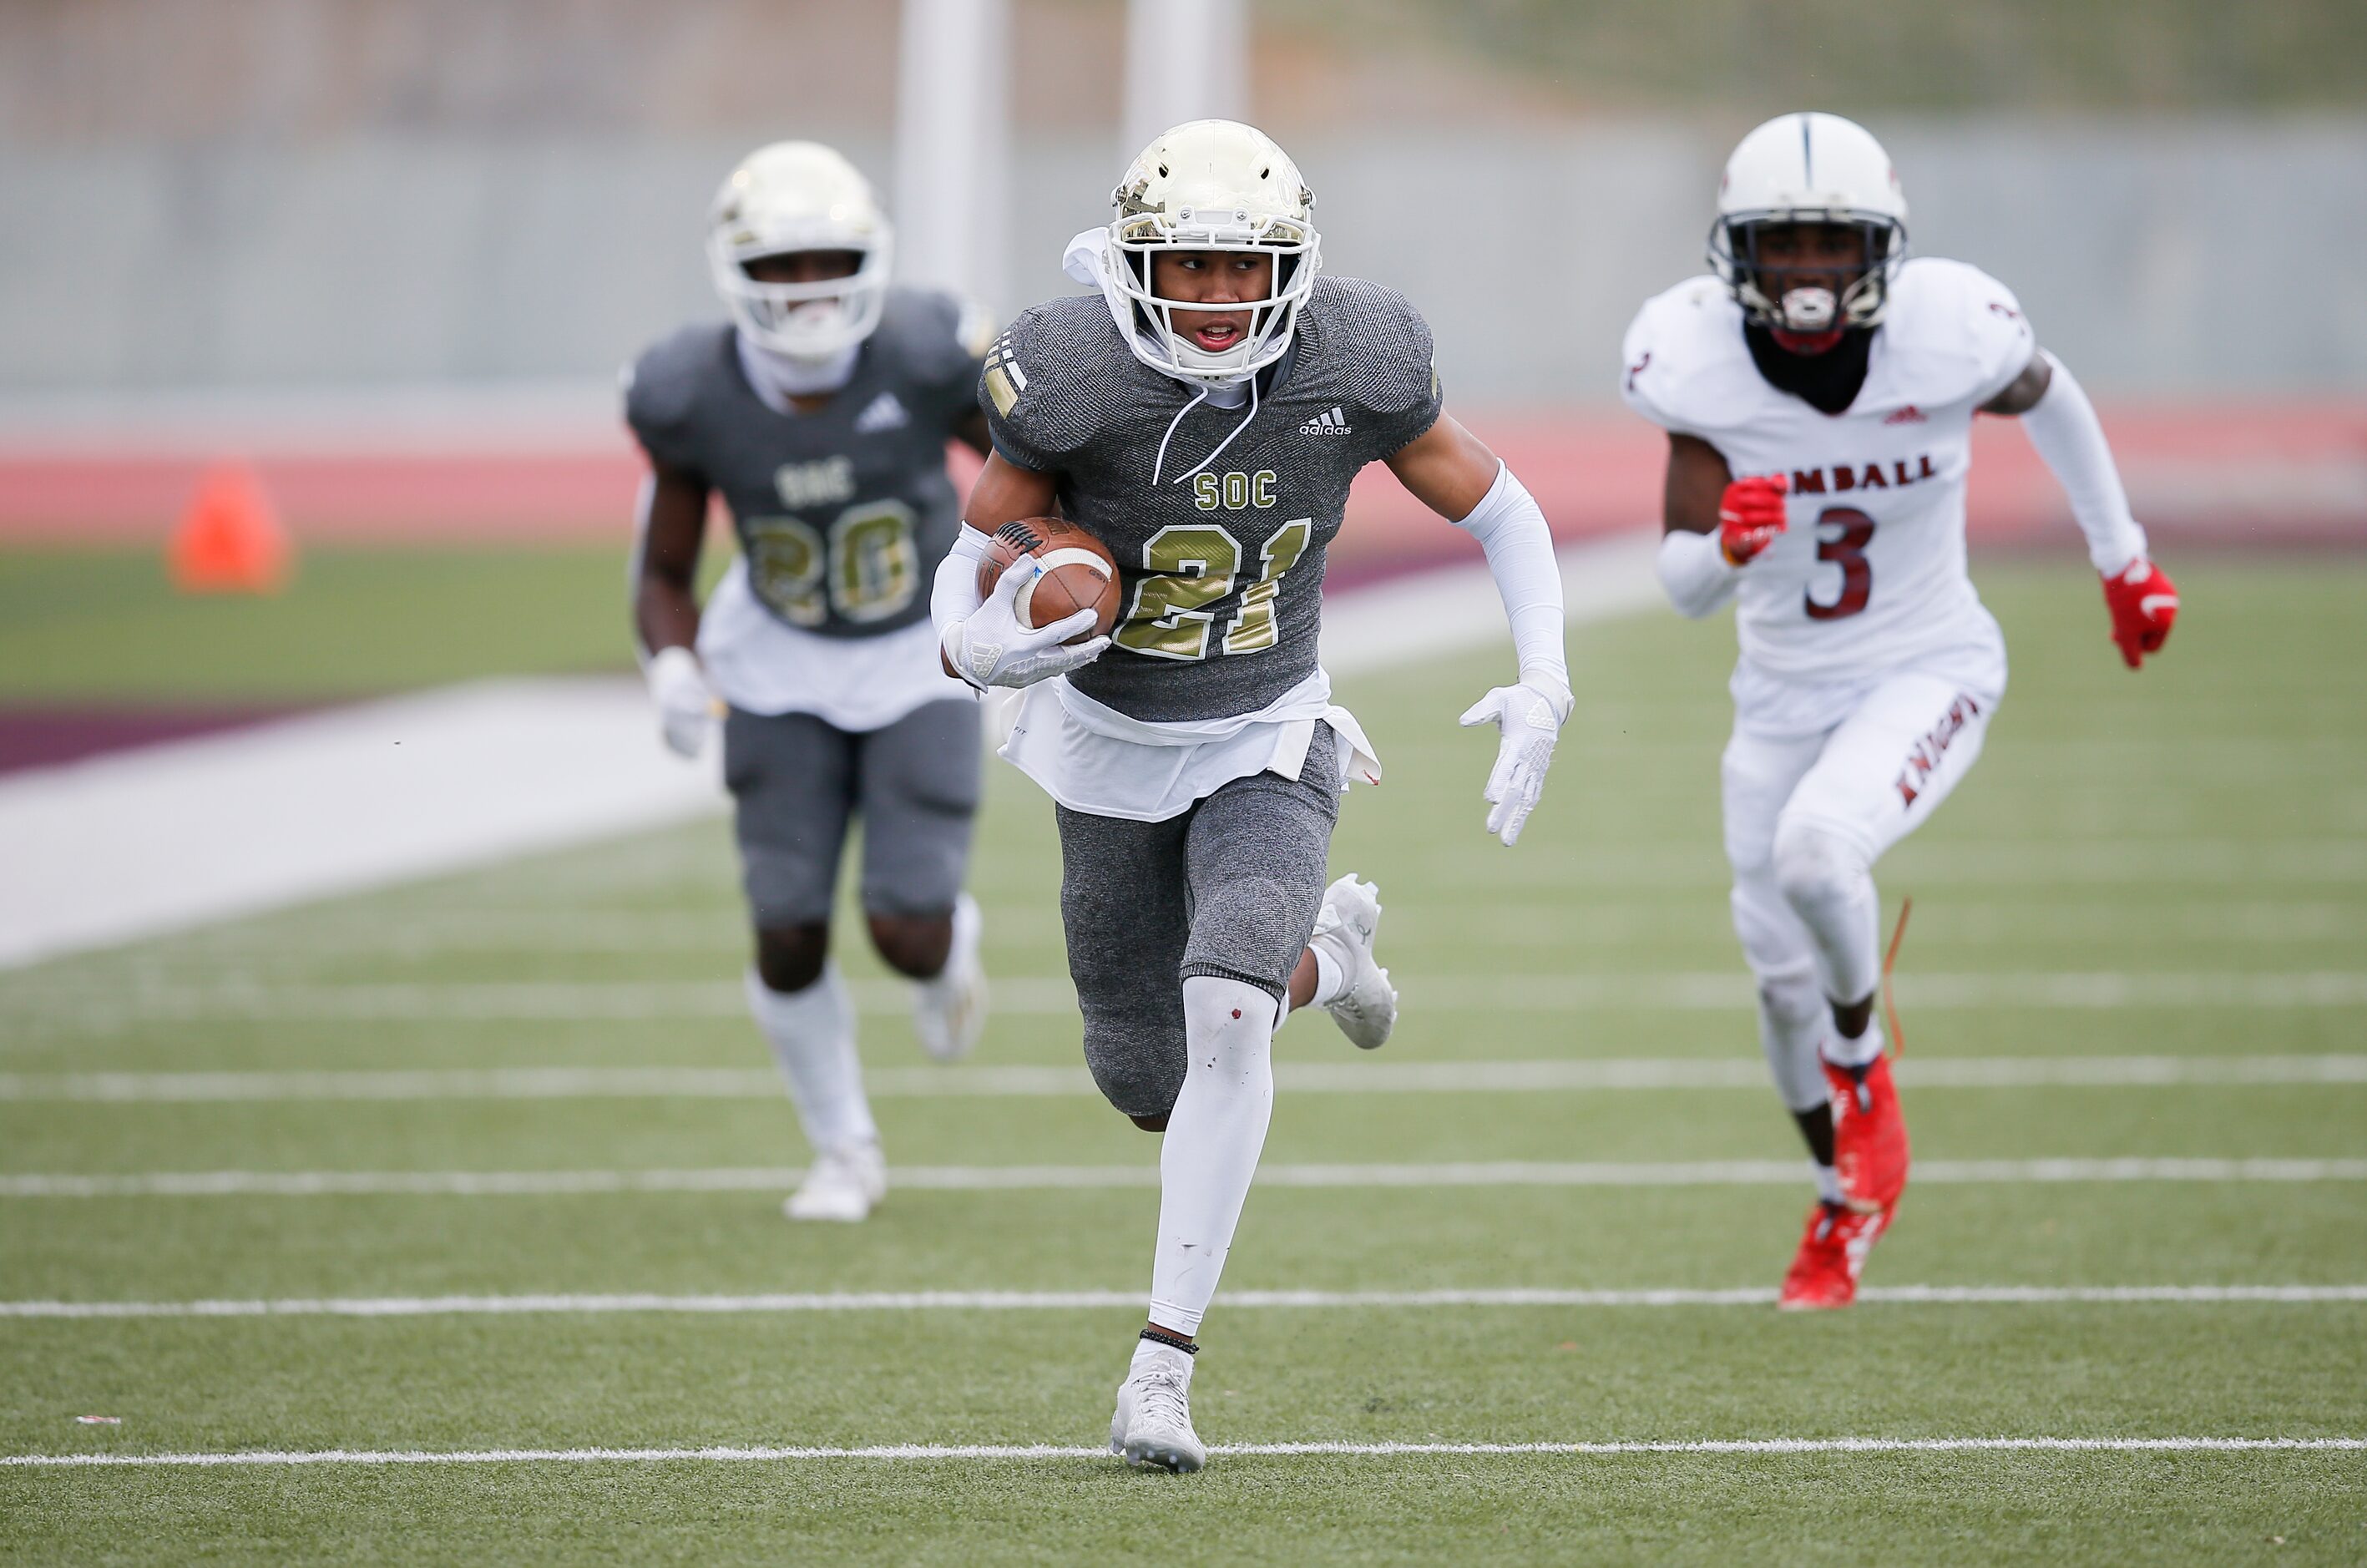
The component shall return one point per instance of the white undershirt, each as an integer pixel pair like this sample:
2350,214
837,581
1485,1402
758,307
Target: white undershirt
1091,758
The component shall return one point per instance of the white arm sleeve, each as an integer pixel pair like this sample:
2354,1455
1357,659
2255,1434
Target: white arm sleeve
1694,572
2063,428
1512,531
954,596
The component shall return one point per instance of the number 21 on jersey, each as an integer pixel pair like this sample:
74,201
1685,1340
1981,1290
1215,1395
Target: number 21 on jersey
1193,566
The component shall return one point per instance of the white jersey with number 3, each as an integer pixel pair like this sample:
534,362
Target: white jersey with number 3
1870,575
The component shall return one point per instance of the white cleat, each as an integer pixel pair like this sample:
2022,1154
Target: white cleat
843,1184
1152,1428
949,1011
1366,1008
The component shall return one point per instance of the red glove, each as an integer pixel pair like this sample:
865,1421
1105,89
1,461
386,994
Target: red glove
2143,603
1750,516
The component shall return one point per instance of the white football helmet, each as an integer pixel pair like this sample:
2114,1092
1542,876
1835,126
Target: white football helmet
1214,185
1809,168
800,196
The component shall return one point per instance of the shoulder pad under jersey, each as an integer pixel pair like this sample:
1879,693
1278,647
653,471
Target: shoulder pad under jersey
662,388
936,337
1683,364
1051,383
1954,333
1376,341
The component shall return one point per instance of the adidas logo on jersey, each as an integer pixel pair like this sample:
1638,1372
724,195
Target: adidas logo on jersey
1334,423
883,413
1910,415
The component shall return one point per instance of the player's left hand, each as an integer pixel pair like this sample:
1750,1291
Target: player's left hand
1528,719
2143,603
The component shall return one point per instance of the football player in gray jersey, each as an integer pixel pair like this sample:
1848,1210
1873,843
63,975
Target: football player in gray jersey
1203,414
821,414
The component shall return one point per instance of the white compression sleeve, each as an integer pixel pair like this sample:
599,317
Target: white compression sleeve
1694,572
1212,1142
954,595
2068,436
1510,528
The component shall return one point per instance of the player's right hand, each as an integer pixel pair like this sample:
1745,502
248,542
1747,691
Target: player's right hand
1750,516
993,647
685,704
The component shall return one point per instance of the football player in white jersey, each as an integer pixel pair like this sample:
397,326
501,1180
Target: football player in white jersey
1818,393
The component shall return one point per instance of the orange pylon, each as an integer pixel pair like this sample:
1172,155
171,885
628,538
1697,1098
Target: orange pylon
230,541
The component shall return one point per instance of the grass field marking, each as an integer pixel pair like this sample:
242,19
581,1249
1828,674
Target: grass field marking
1097,1300
974,1451
1362,1077
1047,996
1023,1178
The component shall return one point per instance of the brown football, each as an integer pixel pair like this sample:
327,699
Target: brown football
1079,573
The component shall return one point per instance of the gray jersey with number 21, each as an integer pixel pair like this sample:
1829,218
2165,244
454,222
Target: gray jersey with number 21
1222,569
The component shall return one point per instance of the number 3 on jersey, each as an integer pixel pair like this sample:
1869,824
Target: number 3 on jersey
1846,550
1193,566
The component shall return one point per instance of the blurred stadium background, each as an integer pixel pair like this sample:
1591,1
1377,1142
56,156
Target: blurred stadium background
395,252
389,255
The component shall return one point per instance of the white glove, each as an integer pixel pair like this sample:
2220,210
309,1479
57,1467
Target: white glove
685,705
992,647
1529,718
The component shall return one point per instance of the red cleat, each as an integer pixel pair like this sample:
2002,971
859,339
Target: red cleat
1869,1137
1824,1273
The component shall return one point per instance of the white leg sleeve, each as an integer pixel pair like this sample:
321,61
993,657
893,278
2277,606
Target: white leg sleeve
812,1036
1214,1137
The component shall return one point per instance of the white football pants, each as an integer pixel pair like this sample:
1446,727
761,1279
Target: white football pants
1805,819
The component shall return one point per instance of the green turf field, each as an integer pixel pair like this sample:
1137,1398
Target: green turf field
105,625
2159,876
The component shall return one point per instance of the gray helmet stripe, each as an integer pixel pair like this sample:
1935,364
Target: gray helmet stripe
1808,154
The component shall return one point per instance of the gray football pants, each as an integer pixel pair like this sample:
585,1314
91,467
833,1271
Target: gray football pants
798,781
1230,888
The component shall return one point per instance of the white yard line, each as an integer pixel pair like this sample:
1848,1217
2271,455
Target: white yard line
1096,1300
168,837
975,1451
1026,1178
1358,1077
102,1007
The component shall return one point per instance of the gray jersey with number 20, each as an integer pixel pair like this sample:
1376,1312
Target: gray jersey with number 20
843,513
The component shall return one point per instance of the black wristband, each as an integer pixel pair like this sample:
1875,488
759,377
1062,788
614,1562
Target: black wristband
1173,1341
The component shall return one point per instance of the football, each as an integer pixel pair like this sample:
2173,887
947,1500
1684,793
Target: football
1079,573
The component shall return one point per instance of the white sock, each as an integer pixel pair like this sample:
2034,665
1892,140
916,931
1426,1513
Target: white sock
1843,1052
1150,1350
1827,880
812,1036
1828,1183
1214,1137
1331,980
